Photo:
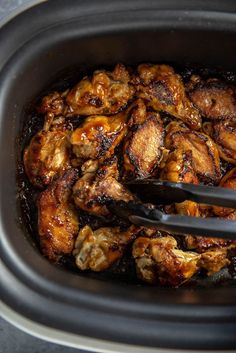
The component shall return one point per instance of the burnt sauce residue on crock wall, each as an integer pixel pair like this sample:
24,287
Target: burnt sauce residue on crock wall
126,267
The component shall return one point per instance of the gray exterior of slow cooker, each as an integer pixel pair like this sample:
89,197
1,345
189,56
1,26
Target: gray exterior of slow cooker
36,46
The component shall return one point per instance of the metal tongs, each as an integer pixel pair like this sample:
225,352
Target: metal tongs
164,192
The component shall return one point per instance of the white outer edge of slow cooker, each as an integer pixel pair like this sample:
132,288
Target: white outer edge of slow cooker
82,342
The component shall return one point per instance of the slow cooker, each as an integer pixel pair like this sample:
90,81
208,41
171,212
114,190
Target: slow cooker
59,38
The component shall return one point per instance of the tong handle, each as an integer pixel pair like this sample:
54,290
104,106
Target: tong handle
209,195
156,191
207,227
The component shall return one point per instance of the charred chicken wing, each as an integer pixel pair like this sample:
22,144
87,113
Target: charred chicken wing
164,89
224,135
93,190
214,99
57,219
179,168
144,142
215,248
159,260
105,93
46,156
206,160
228,182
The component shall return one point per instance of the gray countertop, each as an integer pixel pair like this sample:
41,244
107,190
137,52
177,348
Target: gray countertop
12,340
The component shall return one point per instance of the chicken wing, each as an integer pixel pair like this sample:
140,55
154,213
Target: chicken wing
57,219
214,260
53,103
99,185
105,93
206,161
159,260
214,99
179,168
98,136
144,142
164,89
47,156
229,182
98,250
203,244
224,135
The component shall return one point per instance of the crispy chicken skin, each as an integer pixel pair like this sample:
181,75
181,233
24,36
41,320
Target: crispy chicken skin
164,89
159,260
46,156
224,135
98,250
57,219
214,99
98,185
144,142
105,93
206,160
98,136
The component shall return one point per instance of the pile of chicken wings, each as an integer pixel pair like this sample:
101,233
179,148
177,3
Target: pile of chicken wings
144,122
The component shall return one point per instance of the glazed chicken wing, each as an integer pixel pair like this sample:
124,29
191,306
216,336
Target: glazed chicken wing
144,142
206,161
179,168
57,220
98,136
105,93
206,244
214,99
159,260
46,156
214,260
224,135
98,185
164,89
54,103
202,244
229,182
98,250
